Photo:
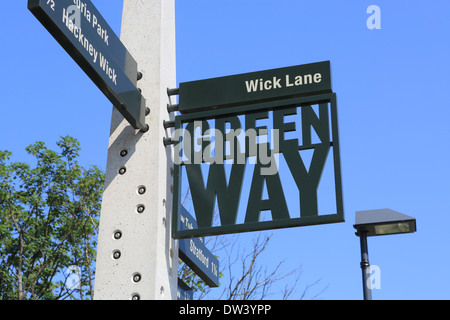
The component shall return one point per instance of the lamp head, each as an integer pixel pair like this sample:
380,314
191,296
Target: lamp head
383,222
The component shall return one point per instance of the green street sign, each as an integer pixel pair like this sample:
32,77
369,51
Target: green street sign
213,151
82,31
195,254
243,141
184,292
255,87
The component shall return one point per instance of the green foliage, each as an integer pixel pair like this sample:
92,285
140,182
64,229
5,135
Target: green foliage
190,278
48,221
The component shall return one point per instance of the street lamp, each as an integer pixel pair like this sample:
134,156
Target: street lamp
377,223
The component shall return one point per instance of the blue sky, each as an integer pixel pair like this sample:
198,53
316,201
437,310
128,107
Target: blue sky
391,87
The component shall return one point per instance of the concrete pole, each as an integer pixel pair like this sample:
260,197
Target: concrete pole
137,257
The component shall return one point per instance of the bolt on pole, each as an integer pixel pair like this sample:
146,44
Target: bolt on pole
136,256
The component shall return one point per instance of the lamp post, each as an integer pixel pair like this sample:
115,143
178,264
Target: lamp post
377,223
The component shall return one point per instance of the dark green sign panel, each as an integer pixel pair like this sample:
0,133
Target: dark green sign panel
88,39
213,159
255,87
184,292
195,254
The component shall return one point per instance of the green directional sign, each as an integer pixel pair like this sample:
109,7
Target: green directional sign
89,40
214,152
258,151
255,87
184,292
194,252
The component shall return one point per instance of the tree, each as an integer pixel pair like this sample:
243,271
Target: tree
242,276
249,280
49,218
254,281
48,224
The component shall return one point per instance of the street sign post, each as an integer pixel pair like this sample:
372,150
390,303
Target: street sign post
137,198
195,254
89,40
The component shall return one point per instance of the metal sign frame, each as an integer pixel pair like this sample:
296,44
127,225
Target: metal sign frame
95,47
306,218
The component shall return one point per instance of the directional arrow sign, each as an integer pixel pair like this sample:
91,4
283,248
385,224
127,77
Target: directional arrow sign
195,254
89,40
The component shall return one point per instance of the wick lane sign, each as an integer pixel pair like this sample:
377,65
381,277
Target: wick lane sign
254,87
89,40
216,142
